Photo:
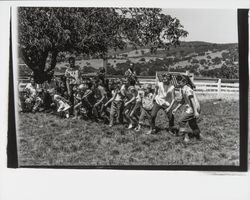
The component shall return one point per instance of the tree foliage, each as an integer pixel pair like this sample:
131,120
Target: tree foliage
45,32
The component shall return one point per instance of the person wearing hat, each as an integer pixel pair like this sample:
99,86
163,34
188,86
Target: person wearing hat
164,99
192,109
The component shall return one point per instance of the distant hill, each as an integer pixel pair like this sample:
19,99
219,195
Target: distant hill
202,58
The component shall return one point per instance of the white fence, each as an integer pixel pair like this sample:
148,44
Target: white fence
203,88
218,88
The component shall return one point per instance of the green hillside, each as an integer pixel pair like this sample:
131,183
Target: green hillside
201,58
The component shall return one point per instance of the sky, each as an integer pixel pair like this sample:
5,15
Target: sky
209,25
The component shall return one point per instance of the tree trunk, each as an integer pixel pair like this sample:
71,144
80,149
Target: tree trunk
37,63
53,61
40,75
105,64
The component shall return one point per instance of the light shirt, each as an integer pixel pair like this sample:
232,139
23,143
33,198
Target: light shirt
139,96
187,93
121,94
148,101
164,95
61,103
73,75
31,89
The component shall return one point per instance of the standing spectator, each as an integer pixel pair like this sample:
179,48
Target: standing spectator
131,76
72,75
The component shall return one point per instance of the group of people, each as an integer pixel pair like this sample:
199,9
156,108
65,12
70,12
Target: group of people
116,101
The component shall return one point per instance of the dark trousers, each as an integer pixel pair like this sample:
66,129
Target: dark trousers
192,122
100,111
116,110
132,113
154,112
47,100
144,114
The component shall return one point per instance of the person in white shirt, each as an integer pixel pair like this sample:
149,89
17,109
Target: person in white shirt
164,99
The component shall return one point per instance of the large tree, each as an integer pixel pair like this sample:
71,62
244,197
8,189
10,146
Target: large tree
45,32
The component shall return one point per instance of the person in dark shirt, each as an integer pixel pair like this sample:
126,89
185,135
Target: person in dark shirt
131,76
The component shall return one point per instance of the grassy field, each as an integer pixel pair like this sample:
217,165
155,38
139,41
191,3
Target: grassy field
45,139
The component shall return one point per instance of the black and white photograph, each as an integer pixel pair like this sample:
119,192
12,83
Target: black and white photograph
113,99
121,86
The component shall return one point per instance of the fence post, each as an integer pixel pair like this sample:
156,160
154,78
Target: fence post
219,88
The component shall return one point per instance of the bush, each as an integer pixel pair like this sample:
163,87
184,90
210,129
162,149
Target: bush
203,61
193,61
216,60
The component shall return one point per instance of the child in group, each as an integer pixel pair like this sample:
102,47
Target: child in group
131,107
73,76
62,105
147,103
88,99
192,111
100,94
117,102
111,86
39,101
78,99
164,99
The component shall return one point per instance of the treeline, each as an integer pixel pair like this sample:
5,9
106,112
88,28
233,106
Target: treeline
228,70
